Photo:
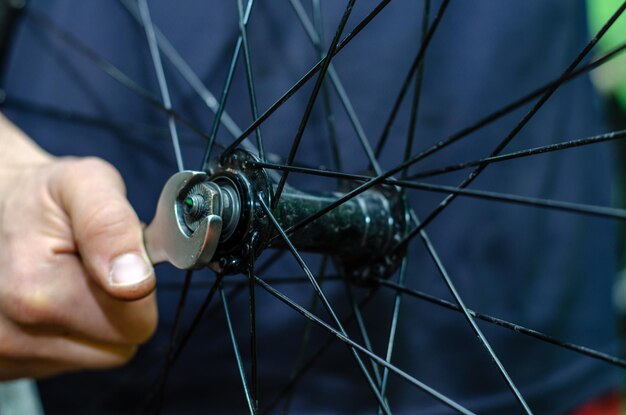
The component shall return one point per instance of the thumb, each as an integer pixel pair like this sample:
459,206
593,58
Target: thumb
106,229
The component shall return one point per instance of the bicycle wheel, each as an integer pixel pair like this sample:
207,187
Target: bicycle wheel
397,352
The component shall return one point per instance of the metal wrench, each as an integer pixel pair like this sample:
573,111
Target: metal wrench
187,224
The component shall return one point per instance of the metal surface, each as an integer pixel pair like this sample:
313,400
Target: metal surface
245,234
175,235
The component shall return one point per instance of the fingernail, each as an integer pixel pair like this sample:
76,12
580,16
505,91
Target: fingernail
129,269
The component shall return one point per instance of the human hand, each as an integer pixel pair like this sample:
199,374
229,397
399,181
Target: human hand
76,287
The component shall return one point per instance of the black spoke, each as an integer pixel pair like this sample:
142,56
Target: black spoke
360,323
508,325
306,336
470,320
186,72
158,68
306,77
293,380
407,154
410,379
325,303
592,210
507,109
580,208
253,337
391,338
130,129
159,386
240,368
601,138
110,69
415,103
326,99
417,62
241,284
225,91
250,78
309,105
315,37
519,126
197,318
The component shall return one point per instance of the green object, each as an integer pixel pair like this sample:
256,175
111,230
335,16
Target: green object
189,202
610,78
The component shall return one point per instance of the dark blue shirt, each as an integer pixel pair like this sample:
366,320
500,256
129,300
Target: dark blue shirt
548,270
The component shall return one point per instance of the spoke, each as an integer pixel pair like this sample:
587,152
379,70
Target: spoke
601,138
159,386
291,384
520,125
186,72
242,284
410,379
240,368
391,338
253,346
111,70
326,99
117,125
309,106
285,97
580,208
197,318
225,91
407,154
507,109
306,335
325,303
585,209
360,323
508,325
158,67
249,78
470,320
419,58
417,93
315,37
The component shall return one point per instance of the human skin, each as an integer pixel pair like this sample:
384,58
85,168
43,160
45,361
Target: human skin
76,285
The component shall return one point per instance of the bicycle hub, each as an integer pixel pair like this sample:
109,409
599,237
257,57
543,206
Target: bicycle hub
359,234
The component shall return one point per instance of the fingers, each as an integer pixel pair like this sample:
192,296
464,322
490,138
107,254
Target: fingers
37,351
62,354
67,300
86,311
107,231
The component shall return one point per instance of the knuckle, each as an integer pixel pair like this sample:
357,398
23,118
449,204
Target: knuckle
88,166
